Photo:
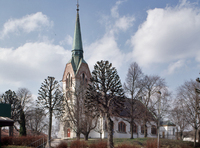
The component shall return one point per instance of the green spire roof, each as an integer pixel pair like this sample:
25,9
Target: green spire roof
77,49
77,44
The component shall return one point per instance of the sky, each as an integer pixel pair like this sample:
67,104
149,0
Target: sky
162,36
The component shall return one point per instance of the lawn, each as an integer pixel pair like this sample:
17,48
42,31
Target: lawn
140,142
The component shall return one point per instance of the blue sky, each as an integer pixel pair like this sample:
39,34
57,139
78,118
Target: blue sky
162,36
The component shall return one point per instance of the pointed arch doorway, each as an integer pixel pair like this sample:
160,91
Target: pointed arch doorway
68,132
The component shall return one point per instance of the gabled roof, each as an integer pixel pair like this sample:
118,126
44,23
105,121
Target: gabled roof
167,123
139,109
5,121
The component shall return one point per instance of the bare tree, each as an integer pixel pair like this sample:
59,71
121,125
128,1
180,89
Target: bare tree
106,94
36,121
80,119
178,118
25,97
133,87
188,99
152,85
51,98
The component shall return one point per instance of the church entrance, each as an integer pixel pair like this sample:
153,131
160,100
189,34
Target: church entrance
68,132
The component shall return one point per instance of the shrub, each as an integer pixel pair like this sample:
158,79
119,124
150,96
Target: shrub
126,146
78,144
6,140
62,145
22,140
152,143
99,144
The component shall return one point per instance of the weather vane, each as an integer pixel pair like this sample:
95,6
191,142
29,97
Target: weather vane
77,6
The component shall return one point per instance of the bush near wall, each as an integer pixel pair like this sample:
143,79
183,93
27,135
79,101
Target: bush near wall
21,140
78,144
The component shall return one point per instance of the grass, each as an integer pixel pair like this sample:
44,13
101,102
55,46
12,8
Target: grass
140,142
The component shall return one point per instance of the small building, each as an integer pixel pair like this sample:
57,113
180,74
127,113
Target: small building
167,130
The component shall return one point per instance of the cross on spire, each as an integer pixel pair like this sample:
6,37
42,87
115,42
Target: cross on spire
77,5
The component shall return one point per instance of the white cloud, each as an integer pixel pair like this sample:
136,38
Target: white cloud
105,49
124,22
168,34
174,66
27,24
32,62
68,40
114,9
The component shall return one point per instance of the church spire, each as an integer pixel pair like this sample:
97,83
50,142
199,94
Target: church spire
77,49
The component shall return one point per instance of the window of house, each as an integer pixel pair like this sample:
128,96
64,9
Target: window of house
134,128
153,130
121,127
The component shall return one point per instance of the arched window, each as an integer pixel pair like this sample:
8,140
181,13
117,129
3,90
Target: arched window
71,82
122,127
68,80
83,79
134,128
153,130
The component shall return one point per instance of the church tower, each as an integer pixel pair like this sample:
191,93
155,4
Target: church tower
76,72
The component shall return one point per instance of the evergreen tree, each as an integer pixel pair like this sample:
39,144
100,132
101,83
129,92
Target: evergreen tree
105,93
22,130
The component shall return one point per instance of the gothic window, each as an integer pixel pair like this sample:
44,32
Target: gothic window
134,128
153,130
71,82
83,79
68,81
122,127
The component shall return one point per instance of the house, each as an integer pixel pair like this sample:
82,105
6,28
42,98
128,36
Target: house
167,130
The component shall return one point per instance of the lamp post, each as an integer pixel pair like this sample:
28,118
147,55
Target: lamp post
159,104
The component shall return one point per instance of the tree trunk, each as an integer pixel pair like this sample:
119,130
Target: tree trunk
177,133
11,131
195,137
78,135
198,136
86,136
110,143
181,135
131,128
145,130
131,123
50,127
101,136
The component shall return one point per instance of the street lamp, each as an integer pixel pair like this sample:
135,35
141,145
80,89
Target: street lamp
159,104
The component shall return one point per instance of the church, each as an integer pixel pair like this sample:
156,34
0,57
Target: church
77,70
